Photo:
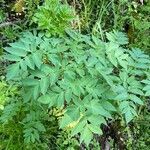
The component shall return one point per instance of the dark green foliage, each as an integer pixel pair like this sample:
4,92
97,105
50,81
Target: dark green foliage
15,17
28,125
20,119
134,19
100,16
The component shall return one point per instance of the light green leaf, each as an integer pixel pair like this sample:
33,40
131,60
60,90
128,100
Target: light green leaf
11,57
137,91
129,116
53,77
44,84
147,93
60,100
15,51
108,106
37,59
19,45
123,63
45,99
30,82
92,61
73,112
146,88
23,66
107,78
96,109
95,129
29,62
146,81
136,99
123,105
97,120
12,71
54,59
117,37
69,74
112,58
79,127
36,91
68,95
122,96
27,95
86,135
66,120
76,90
53,96
80,72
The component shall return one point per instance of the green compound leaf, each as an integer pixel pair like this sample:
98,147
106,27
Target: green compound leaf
90,80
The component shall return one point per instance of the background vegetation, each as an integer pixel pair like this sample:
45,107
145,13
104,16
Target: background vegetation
31,124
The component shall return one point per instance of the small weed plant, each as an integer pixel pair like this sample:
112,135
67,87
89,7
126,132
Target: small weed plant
54,17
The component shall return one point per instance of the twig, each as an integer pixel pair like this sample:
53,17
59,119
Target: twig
142,1
4,24
107,146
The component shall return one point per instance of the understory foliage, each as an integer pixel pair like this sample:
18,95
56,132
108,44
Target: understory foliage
53,17
100,16
6,92
29,125
91,80
133,14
